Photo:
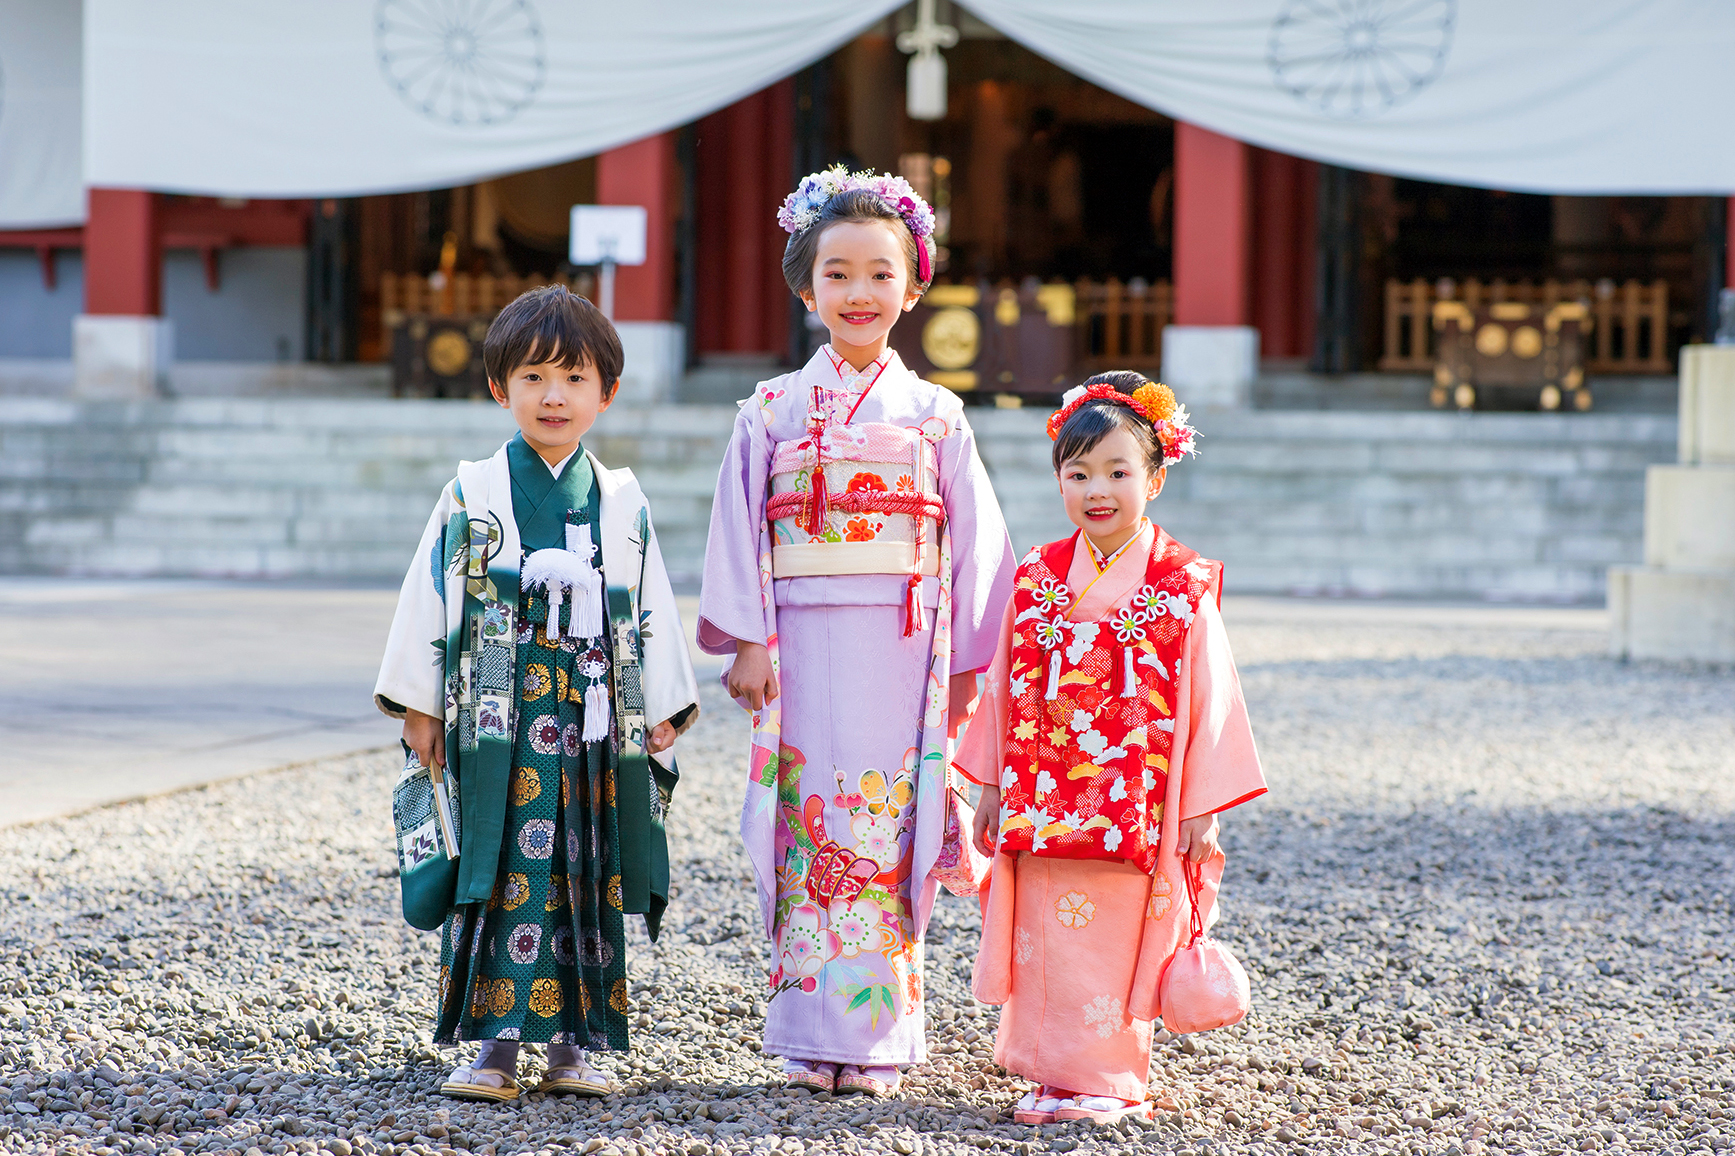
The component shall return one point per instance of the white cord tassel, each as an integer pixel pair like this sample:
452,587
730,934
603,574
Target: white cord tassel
587,609
1053,674
555,590
596,712
1130,679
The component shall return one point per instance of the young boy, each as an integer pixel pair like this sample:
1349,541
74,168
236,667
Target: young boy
513,669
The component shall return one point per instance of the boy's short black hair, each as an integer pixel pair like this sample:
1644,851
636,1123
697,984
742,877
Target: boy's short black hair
1096,419
551,323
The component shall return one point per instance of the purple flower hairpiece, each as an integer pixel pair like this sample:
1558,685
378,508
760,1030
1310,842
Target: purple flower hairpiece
801,208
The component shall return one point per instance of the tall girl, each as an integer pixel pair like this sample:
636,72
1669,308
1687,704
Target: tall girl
856,572
1111,733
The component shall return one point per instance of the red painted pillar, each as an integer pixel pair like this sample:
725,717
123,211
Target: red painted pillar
1212,254
643,173
123,254
746,125
1283,233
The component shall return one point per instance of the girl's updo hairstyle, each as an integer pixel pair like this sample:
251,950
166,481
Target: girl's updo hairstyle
1096,419
850,205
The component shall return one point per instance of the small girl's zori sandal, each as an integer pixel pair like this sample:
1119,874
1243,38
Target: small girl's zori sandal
486,1084
1103,1110
1039,1106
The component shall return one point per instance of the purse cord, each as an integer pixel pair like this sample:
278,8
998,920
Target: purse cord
1193,873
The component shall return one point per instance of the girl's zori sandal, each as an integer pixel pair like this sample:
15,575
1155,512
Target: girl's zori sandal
813,1075
879,1081
487,1084
1039,1106
1103,1110
578,1079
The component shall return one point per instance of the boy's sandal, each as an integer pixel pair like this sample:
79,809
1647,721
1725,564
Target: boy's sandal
487,1084
814,1076
578,1080
1104,1110
853,1078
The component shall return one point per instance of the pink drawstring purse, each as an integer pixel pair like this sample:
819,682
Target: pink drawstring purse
1203,987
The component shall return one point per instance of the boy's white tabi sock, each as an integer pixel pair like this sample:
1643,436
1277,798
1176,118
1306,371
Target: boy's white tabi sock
498,1056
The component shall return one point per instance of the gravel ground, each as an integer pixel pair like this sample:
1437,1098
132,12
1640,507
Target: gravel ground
1486,907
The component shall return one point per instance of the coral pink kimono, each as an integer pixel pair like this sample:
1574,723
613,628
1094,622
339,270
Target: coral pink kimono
1073,948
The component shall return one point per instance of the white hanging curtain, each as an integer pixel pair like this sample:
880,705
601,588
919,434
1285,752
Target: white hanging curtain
41,179
345,97
1555,96
348,97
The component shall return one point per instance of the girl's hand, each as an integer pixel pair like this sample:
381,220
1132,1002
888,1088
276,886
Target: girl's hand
1198,838
986,829
426,735
662,738
751,677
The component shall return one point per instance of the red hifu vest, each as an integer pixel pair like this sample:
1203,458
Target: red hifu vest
1091,712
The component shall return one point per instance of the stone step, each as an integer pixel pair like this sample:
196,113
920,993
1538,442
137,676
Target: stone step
1513,505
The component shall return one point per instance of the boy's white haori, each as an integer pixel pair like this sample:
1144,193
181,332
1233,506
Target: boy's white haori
431,602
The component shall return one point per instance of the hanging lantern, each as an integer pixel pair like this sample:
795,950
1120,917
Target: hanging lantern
925,87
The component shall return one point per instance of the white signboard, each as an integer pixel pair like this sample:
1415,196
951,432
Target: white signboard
608,233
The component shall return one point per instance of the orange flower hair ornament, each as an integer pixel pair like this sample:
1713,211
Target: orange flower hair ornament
1152,401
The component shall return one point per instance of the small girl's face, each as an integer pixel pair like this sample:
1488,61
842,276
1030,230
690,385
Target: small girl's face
1105,489
861,283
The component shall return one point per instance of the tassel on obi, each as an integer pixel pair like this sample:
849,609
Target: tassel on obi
817,503
569,571
1129,675
913,612
1053,674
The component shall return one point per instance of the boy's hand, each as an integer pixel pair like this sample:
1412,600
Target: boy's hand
751,677
662,738
426,735
986,829
1198,838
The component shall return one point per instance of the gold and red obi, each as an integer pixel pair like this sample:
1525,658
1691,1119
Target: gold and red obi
1091,707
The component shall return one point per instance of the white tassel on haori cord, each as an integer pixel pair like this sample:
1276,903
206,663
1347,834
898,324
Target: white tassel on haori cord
559,572
1053,674
1129,676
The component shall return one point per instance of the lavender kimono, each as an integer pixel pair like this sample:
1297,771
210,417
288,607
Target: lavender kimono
856,535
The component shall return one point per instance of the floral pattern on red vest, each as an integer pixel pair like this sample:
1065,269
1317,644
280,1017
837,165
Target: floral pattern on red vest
1091,710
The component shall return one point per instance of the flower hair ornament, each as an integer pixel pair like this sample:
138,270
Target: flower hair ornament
801,208
1152,401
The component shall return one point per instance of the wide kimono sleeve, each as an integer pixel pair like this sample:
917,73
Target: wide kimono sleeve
1220,768
671,692
412,674
983,751
730,605
983,564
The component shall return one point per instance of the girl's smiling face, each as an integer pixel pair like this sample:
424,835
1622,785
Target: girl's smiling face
1105,489
861,283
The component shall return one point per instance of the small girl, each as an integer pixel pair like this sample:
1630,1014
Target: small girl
1111,733
856,569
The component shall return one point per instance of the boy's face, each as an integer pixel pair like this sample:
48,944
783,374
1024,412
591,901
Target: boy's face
553,406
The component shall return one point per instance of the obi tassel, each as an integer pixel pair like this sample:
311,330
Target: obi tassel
1129,676
913,612
596,712
1053,674
816,507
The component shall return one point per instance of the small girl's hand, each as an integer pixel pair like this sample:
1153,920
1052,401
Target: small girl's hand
987,825
1198,838
751,677
662,738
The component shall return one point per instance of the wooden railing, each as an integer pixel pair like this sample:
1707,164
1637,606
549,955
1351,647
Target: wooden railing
1120,325
463,293
1628,327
